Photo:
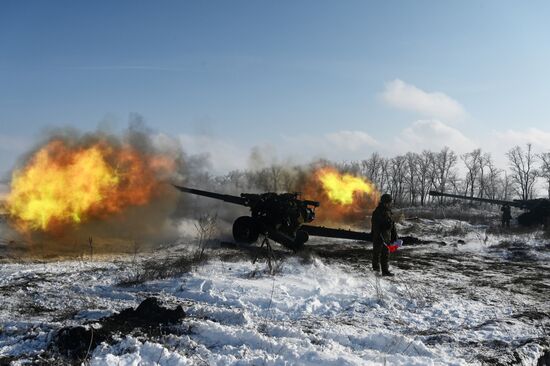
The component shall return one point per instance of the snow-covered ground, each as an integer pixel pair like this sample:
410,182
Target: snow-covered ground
481,300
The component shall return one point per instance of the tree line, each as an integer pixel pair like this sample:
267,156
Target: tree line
409,177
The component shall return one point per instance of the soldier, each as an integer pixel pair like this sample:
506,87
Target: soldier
383,233
506,215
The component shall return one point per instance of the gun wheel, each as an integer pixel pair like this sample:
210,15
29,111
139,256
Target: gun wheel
301,238
245,230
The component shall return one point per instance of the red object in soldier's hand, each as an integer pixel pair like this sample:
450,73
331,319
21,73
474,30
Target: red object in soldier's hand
393,246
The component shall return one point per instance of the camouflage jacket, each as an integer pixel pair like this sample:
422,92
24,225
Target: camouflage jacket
506,212
382,226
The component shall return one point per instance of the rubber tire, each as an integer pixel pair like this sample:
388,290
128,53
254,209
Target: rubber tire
301,238
245,230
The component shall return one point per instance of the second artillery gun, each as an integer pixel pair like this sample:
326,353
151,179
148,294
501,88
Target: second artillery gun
537,211
281,217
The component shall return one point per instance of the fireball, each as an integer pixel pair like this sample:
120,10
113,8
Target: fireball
345,198
341,188
67,184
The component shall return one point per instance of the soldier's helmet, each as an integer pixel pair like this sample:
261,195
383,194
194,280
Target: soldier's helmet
386,198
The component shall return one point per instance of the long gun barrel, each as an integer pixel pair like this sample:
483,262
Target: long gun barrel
328,232
336,233
224,197
478,199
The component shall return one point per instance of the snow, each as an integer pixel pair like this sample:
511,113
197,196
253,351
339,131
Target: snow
449,304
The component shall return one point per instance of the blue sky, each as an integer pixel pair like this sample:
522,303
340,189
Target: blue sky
298,79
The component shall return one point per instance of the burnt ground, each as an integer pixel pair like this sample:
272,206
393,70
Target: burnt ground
74,343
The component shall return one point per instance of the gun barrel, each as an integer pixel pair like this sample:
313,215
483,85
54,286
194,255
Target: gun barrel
224,197
477,199
336,233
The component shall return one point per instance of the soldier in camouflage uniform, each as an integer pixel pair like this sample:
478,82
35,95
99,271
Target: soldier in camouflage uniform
506,215
383,233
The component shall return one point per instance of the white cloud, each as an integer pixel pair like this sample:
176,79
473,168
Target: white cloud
346,145
343,145
432,135
432,104
510,138
500,142
351,140
335,146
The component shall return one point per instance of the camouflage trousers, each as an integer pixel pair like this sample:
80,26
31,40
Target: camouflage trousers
380,256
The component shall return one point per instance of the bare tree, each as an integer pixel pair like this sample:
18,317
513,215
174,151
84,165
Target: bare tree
425,174
491,178
445,161
411,176
545,169
350,167
236,178
275,174
384,175
524,174
506,186
397,177
260,179
471,162
372,168
289,179
453,181
484,162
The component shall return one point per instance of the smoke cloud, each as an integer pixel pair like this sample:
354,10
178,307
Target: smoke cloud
149,213
166,215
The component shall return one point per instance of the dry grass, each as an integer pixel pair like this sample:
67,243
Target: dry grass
157,269
170,266
207,227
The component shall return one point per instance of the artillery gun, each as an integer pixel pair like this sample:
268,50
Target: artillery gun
537,210
277,216
281,217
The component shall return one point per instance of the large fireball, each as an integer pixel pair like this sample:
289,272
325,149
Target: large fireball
344,197
66,184
341,188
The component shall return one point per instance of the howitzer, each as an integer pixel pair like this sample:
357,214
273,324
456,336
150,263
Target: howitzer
537,210
278,216
283,217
